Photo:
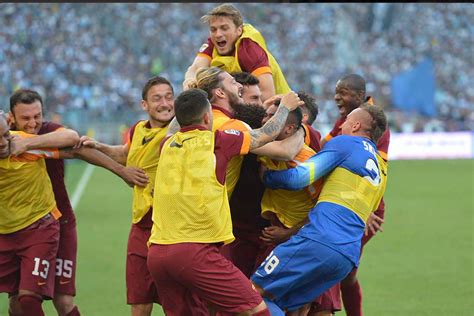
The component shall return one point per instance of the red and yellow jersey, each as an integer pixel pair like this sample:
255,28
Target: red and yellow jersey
26,192
382,144
190,202
232,63
222,120
291,207
144,153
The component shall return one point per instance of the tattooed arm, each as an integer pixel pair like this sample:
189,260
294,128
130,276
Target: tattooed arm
272,128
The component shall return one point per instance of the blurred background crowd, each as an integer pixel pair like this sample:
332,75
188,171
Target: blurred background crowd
90,61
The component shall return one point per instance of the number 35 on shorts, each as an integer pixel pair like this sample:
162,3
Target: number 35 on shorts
270,263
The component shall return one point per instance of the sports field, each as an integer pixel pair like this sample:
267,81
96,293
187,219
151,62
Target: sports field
422,264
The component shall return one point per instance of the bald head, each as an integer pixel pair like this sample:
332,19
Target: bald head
4,137
353,82
367,121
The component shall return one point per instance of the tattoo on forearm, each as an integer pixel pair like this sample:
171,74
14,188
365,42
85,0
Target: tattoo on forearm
270,130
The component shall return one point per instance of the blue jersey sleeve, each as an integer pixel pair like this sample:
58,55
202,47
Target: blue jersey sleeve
311,170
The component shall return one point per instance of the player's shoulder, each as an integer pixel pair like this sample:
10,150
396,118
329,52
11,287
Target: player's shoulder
234,124
49,126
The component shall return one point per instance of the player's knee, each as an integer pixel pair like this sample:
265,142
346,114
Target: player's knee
63,303
30,303
350,279
142,309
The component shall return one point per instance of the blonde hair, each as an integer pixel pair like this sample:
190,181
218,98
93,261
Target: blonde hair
227,10
208,79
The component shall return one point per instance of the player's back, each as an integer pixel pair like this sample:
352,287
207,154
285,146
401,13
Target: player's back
351,191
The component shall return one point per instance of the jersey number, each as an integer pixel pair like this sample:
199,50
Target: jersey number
271,263
63,268
45,268
372,166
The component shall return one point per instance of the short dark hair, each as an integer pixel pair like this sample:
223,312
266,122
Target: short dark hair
190,105
309,105
153,82
250,114
295,117
245,78
25,96
354,82
379,120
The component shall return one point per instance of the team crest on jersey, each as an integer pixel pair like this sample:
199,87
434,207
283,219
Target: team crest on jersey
203,47
232,132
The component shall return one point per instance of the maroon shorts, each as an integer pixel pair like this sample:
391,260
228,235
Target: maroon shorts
200,269
330,300
243,252
27,258
66,259
140,286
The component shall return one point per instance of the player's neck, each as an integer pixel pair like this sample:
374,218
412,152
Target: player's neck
157,124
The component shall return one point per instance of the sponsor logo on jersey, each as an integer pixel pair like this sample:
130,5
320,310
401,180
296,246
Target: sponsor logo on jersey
232,132
203,47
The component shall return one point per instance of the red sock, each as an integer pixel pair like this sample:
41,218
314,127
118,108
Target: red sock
31,305
352,298
265,312
74,312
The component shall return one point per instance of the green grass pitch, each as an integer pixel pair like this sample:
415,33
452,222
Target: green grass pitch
422,264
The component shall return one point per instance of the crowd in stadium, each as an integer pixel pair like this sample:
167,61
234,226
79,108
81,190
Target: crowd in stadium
240,206
92,56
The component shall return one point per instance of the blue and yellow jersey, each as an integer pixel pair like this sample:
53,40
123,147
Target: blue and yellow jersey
355,179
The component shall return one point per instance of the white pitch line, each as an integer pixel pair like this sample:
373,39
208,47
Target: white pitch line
76,197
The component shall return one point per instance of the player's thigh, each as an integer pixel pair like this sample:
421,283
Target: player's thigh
297,271
9,264
38,256
66,260
219,282
141,288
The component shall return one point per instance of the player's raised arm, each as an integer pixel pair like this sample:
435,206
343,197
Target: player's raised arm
190,75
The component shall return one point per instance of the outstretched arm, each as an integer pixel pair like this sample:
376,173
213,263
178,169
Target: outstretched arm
304,174
57,139
132,176
118,153
266,85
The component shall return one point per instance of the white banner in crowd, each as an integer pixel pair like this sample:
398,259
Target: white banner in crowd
456,145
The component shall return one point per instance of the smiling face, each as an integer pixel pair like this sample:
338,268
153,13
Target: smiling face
251,94
232,89
347,99
224,33
159,104
28,118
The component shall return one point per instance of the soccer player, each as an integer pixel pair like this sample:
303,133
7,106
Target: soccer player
142,151
191,214
251,93
285,209
350,94
26,115
236,46
29,229
326,250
